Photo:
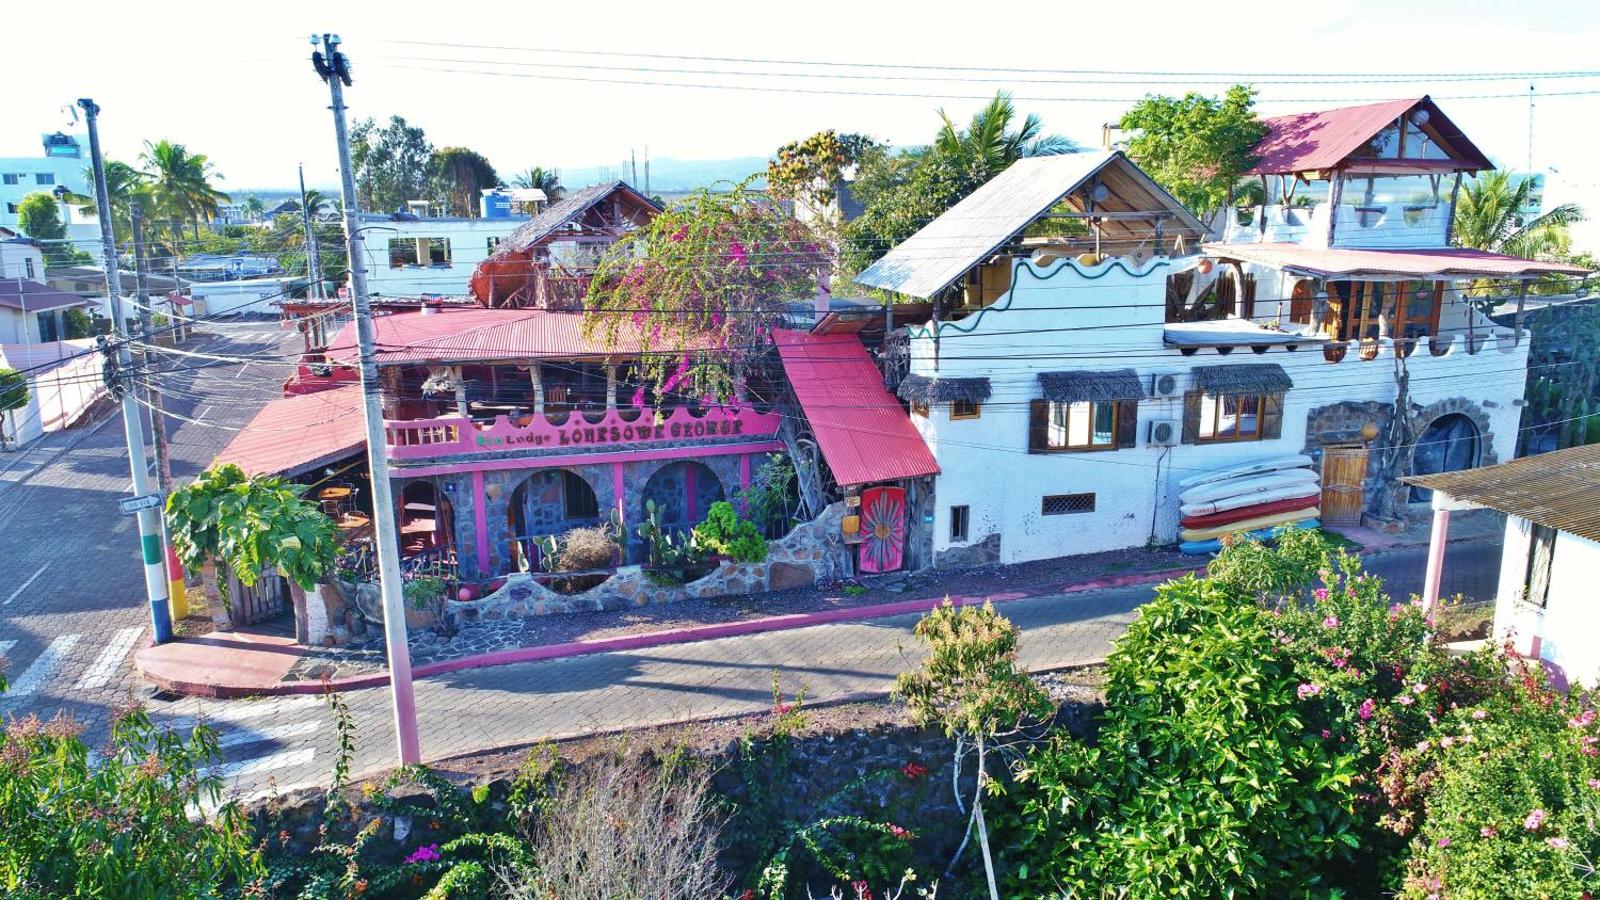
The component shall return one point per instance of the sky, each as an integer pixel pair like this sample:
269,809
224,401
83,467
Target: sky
522,83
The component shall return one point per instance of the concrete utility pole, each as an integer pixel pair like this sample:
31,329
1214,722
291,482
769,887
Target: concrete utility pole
334,68
155,575
313,257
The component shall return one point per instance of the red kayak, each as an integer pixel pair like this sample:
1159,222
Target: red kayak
1250,512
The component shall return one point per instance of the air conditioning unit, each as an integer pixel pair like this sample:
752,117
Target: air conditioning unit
1163,433
1163,385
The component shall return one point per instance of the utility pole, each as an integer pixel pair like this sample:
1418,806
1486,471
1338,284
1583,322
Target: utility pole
177,596
155,576
313,256
334,68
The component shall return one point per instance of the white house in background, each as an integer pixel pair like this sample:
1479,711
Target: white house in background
1066,384
1550,563
63,163
410,256
245,297
30,311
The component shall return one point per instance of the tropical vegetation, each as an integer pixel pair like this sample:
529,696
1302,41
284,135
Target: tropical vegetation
180,187
547,180
1492,214
39,218
252,523
1197,147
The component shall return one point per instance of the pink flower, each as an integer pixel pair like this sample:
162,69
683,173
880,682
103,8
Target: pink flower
1594,783
1582,720
1557,842
638,397
901,833
1480,714
1330,622
430,853
1404,700
1423,746
1444,842
1534,820
1418,688
1326,734
1488,831
1321,594
1447,741
1308,690
1366,709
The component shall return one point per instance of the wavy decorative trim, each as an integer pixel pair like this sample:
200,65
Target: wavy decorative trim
971,322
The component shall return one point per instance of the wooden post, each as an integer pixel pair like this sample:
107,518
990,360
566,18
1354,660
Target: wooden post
537,378
611,386
1522,302
1450,220
461,392
1335,197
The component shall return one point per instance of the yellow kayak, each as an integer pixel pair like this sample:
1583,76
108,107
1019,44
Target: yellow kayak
1283,518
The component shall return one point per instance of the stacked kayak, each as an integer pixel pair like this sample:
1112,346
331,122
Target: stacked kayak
1255,498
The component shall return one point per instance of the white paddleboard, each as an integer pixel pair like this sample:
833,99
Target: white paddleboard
1247,485
1205,508
1271,464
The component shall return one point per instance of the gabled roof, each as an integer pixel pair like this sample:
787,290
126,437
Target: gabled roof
476,334
864,434
1441,262
985,220
1322,140
1559,489
570,208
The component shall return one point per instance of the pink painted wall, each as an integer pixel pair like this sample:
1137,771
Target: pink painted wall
453,435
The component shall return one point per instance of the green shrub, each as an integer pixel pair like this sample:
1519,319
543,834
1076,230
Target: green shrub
1513,809
723,533
1286,568
1207,780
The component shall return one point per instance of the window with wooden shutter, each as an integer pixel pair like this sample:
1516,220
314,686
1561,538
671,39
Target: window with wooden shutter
1247,299
1127,423
1271,416
1038,426
1191,417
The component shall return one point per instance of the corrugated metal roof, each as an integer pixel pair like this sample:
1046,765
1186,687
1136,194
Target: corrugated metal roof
864,434
1559,489
479,335
978,226
1320,140
571,206
295,434
20,293
1456,262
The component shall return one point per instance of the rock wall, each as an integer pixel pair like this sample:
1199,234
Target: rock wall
810,554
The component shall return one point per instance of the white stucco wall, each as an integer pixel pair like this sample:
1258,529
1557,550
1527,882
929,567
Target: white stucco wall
469,245
1568,628
1064,317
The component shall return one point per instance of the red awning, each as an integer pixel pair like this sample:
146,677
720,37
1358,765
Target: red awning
299,433
863,432
1445,263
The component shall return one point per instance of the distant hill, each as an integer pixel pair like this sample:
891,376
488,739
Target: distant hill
667,175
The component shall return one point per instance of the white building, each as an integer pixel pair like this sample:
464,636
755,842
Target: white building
1066,384
1551,557
413,256
64,163
30,311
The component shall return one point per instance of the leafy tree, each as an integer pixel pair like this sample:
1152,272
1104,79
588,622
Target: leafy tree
125,186
251,523
1195,146
13,396
547,180
903,191
457,175
39,219
971,687
253,207
391,163
701,288
1491,215
180,185
810,169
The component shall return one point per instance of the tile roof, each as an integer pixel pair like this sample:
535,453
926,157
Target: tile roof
863,432
1319,140
1458,262
295,434
1559,489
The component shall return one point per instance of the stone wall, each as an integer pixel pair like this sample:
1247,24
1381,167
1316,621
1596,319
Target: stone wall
812,553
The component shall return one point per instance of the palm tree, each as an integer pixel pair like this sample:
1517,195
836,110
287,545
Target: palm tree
253,207
317,202
125,186
547,180
988,145
181,182
1490,216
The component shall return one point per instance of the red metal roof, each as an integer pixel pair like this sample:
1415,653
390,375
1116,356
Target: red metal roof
1444,262
1314,141
298,433
478,334
863,432
20,293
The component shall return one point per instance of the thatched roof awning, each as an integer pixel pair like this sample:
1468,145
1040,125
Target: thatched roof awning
1244,378
922,389
1079,387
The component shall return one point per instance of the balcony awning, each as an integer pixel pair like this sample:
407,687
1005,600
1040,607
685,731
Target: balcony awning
864,434
1081,387
922,389
1344,263
293,435
1243,378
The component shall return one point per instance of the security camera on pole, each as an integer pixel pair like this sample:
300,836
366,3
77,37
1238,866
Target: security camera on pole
333,68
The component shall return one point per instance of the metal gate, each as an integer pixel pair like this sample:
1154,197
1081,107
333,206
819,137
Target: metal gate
268,598
1344,469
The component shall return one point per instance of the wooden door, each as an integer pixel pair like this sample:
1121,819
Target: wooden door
883,529
1343,471
1300,302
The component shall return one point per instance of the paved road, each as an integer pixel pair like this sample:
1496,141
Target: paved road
72,604
283,743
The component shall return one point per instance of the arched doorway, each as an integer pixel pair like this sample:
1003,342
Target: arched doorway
1449,443
553,501
683,492
427,523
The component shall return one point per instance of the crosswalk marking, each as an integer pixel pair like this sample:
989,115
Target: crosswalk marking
43,667
272,733
241,711
283,759
5,647
109,662
31,579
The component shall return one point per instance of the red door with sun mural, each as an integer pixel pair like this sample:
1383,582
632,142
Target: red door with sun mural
883,529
